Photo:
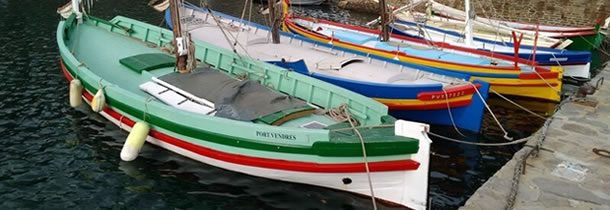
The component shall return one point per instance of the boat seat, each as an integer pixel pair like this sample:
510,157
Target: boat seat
175,99
148,62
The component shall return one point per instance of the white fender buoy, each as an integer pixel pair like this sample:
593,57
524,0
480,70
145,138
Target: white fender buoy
134,141
76,93
99,100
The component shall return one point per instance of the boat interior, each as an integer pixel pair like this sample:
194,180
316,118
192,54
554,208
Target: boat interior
148,71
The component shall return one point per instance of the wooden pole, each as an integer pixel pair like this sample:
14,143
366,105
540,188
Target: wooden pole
177,29
385,33
275,23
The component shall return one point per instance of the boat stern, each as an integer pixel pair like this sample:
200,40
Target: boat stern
415,194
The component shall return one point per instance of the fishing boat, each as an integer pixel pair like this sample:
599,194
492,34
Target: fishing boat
575,64
504,77
237,113
583,38
411,92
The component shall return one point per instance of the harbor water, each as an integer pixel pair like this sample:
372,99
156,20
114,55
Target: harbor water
56,157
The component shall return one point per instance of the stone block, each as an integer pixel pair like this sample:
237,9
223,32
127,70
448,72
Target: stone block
578,128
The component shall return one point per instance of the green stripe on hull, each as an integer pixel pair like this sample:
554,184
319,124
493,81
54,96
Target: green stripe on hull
273,154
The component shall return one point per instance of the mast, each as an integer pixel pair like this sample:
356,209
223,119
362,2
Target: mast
180,41
275,32
385,33
468,21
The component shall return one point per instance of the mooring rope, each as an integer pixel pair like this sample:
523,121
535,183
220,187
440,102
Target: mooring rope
491,112
451,114
478,143
517,105
345,110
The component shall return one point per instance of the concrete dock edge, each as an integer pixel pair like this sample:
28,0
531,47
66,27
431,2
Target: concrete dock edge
567,172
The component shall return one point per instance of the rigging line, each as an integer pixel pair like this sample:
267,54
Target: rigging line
451,114
491,112
345,109
249,21
478,143
517,105
425,33
493,47
592,45
490,22
546,82
219,24
572,77
241,21
224,33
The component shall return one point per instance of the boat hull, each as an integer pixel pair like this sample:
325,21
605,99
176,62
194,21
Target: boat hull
390,179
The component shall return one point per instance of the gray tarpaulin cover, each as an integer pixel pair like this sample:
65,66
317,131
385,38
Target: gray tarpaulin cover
234,99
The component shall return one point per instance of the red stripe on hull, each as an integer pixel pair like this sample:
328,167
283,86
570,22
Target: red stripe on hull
395,165
537,76
525,86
